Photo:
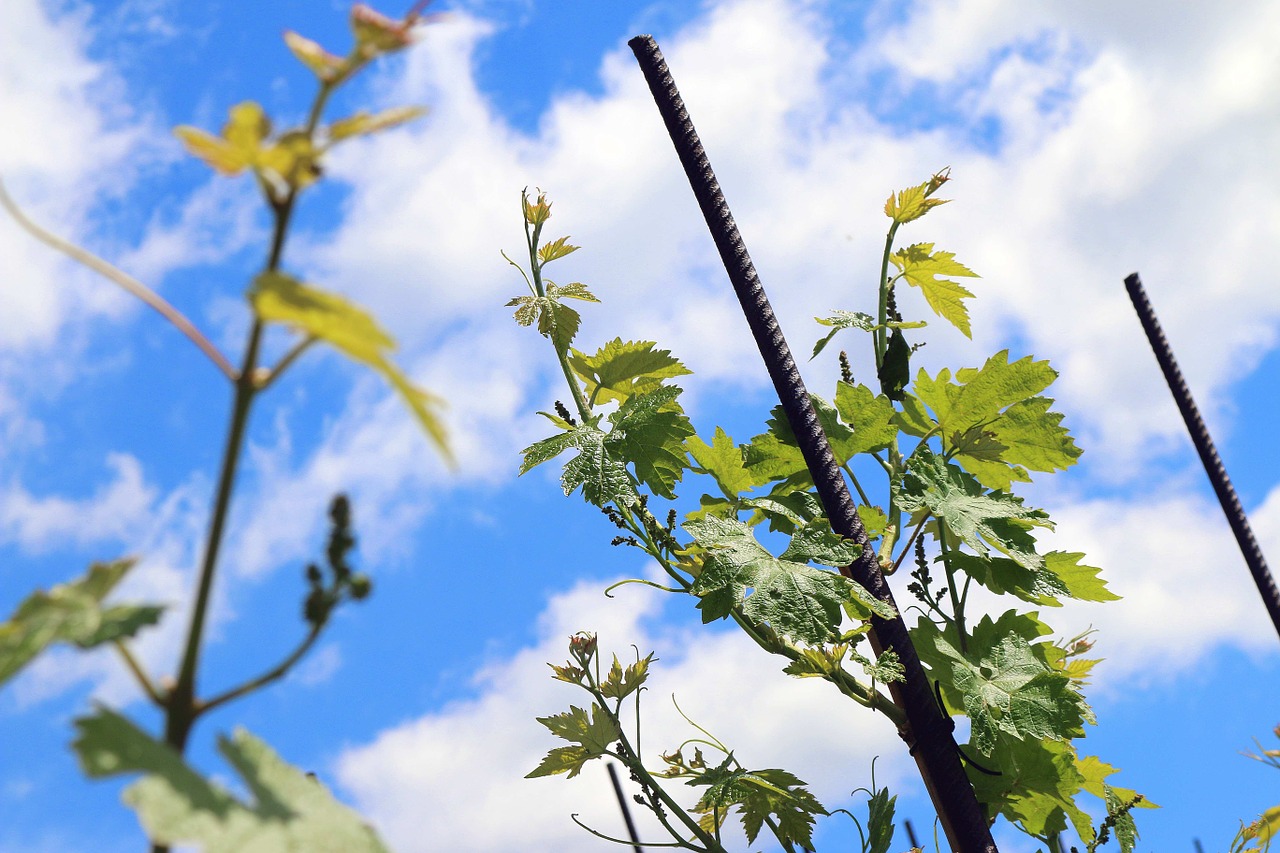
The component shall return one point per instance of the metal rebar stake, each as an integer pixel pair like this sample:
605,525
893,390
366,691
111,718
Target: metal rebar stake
928,732
626,810
1208,453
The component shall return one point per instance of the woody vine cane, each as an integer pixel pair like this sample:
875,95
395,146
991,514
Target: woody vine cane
927,732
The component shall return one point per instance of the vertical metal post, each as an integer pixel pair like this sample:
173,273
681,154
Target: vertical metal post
1208,453
928,732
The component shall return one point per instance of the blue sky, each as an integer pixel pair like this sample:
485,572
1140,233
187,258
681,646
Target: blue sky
1084,144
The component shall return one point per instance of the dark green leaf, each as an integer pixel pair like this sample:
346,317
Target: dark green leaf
649,431
895,370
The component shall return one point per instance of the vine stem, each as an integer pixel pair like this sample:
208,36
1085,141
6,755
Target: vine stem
126,281
182,706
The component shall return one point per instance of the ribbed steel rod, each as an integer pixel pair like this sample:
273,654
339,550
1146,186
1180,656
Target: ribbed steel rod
928,732
626,810
1208,453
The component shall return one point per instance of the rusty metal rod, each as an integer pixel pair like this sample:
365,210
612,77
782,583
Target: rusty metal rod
1213,466
928,732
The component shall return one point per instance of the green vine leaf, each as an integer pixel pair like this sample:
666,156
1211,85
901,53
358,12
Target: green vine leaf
621,683
871,418
620,369
555,320
1063,576
602,476
922,267
557,248
649,431
992,420
912,203
1002,683
592,735
1036,788
759,794
352,331
797,600
722,459
176,805
840,320
71,613
976,516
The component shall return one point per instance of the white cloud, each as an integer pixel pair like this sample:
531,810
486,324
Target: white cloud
437,781
111,514
1103,167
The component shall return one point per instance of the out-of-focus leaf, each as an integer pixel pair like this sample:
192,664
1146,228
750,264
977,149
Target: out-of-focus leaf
289,812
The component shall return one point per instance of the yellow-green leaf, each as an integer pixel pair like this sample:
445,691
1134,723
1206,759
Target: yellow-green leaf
922,267
71,613
556,249
363,123
322,63
247,126
910,204
348,328
213,150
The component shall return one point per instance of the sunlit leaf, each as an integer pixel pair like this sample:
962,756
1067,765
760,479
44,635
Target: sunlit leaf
592,735
622,368
364,123
924,268
328,317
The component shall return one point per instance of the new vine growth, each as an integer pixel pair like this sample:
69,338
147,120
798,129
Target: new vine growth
935,461
174,803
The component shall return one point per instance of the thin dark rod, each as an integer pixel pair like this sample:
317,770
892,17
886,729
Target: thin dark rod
1208,453
928,732
626,810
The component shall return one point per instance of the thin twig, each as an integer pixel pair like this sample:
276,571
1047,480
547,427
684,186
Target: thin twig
273,674
148,686
289,358
128,282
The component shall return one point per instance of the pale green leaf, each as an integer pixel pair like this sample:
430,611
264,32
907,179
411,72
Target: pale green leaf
71,613
348,328
555,249
722,459
592,734
911,204
289,812
364,123
978,517
870,416
924,268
